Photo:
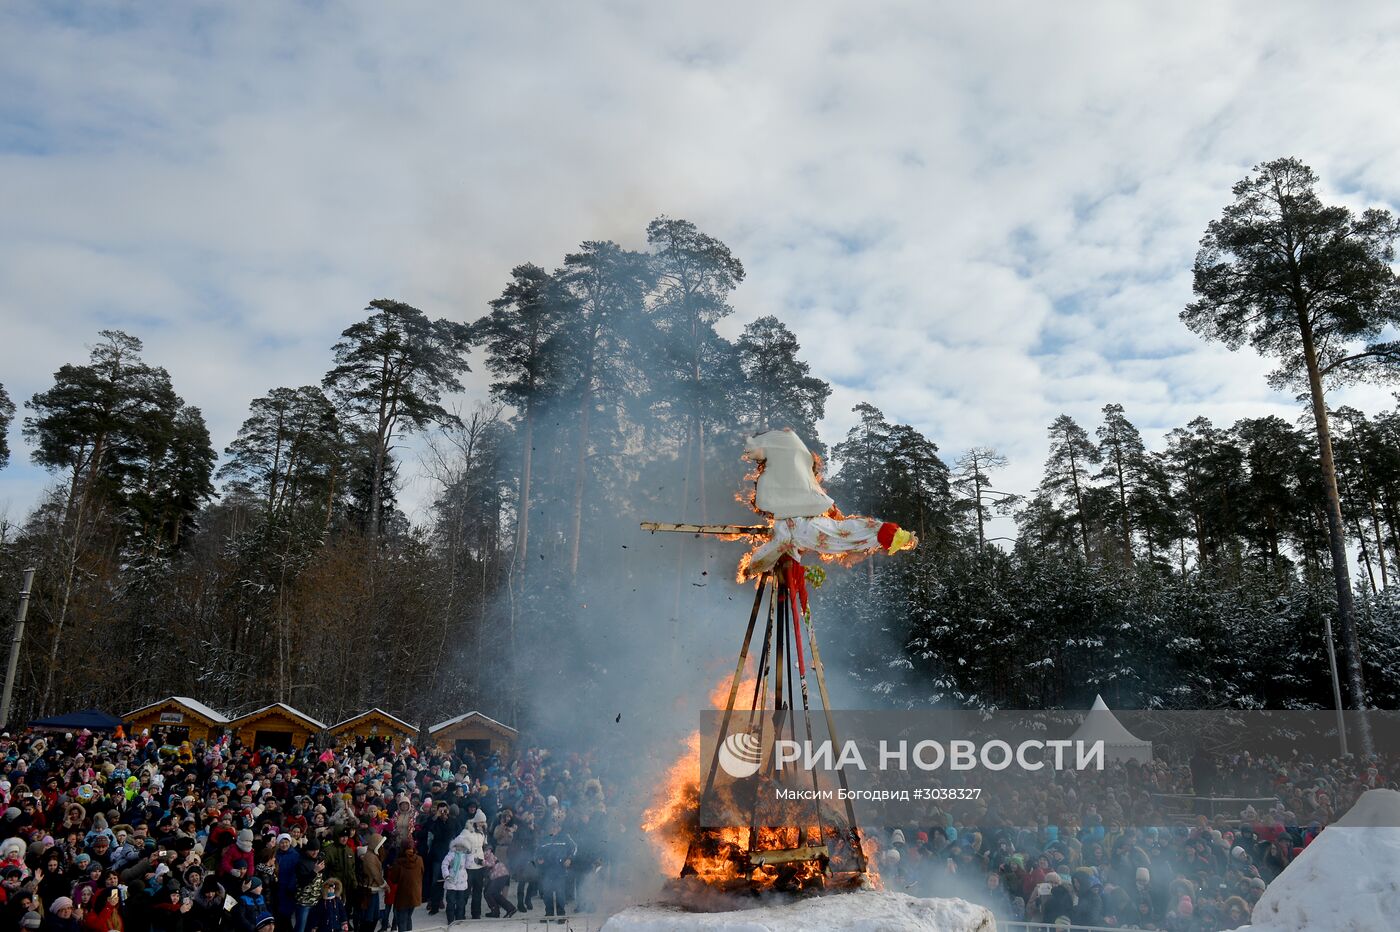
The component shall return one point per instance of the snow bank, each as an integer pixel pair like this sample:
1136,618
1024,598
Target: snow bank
865,911
1347,880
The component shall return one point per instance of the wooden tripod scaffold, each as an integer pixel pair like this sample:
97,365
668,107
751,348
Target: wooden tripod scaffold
782,650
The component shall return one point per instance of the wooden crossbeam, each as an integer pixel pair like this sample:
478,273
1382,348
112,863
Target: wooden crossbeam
788,855
757,530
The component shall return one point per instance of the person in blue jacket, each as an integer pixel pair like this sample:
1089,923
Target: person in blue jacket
332,914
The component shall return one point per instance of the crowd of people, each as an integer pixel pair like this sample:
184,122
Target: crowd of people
145,832
1117,849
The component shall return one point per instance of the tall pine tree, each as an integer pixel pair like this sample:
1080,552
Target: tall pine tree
1311,285
391,371
775,388
1067,477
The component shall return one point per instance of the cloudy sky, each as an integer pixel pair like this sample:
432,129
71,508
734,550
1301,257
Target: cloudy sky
976,216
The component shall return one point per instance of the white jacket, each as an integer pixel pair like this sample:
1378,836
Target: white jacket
468,853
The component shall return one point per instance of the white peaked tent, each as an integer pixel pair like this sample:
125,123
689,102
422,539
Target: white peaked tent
1119,743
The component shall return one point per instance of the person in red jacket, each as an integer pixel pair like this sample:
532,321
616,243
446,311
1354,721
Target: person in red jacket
103,914
239,854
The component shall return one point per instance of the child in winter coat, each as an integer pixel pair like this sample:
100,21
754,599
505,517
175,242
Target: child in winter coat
239,854
497,882
464,859
455,880
332,913
251,905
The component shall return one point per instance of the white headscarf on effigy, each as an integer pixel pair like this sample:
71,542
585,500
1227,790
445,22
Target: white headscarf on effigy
803,521
788,486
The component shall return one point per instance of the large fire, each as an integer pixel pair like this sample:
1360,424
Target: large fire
783,857
779,847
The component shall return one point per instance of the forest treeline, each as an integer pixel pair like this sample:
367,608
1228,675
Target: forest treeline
276,565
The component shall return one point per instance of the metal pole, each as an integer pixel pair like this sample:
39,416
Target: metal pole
14,646
1336,682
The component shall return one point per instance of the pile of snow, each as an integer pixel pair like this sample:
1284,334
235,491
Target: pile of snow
865,911
1347,880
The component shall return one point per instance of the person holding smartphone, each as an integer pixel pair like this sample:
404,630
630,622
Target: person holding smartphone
104,913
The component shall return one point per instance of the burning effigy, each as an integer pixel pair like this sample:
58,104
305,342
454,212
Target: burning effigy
825,849
804,518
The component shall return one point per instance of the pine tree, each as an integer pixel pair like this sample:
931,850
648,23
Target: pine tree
1124,457
1312,285
1208,470
179,481
918,494
467,461
973,481
1159,517
775,389
1067,473
1384,463
695,275
1356,449
7,414
609,286
861,459
1274,456
522,336
391,371
105,425
289,453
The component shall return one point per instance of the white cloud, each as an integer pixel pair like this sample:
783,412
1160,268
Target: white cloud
975,216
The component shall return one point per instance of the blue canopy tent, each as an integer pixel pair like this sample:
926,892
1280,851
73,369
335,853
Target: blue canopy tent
91,719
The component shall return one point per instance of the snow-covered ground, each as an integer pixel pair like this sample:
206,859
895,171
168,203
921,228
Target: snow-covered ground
532,921
1347,880
866,911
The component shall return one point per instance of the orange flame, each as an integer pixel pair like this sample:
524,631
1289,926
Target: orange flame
720,856
664,821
